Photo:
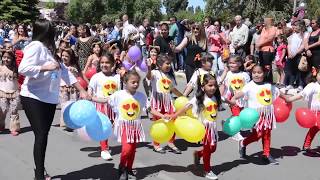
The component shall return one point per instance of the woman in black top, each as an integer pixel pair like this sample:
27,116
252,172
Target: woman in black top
164,40
195,43
313,47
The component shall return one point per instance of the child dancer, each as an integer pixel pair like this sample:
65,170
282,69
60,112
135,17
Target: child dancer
311,93
128,127
162,83
281,58
68,93
260,95
233,81
9,92
102,85
205,107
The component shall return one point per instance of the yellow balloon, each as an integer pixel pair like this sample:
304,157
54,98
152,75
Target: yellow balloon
189,113
161,131
189,129
180,102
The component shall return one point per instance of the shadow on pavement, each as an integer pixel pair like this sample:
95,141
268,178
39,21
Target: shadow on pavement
226,166
102,171
153,171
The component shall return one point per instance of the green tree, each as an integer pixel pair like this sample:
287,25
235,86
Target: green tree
190,9
147,9
83,11
173,6
51,4
19,10
313,8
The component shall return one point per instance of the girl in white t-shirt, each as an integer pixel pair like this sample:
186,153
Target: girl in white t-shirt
128,105
311,93
260,96
205,107
162,83
206,65
233,81
102,85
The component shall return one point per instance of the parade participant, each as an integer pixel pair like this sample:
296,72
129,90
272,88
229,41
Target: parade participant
102,85
260,95
280,60
311,94
9,92
205,107
163,82
40,89
128,126
233,81
69,93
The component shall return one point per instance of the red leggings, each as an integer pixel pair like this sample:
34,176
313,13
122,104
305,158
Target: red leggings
206,152
19,56
128,152
310,135
255,136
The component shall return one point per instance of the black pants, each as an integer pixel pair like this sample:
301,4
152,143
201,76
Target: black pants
40,116
266,59
293,76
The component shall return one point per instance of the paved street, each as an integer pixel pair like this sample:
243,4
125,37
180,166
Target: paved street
70,158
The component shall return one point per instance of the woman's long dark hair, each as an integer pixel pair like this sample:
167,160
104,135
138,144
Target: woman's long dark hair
13,67
44,31
200,92
73,58
109,57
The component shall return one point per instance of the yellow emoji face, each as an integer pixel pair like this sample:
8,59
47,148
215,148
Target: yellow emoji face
264,96
210,111
236,83
109,88
130,109
164,85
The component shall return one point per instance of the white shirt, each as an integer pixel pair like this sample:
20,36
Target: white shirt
239,36
311,93
103,86
36,84
194,78
161,82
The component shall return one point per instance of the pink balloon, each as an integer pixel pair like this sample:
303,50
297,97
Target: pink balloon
127,65
281,101
306,118
134,53
281,112
82,133
90,72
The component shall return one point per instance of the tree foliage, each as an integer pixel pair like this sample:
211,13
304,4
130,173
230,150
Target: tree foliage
313,8
173,6
19,10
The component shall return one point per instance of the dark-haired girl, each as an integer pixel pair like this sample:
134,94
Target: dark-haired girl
94,58
9,92
311,93
162,83
102,85
205,108
40,89
260,95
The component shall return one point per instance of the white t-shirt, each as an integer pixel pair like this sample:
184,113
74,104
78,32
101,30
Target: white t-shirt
194,78
311,93
235,82
161,82
104,86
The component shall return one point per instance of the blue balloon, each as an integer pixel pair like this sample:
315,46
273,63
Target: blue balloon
100,129
66,118
82,113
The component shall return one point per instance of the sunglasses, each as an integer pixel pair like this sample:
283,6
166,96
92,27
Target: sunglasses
196,28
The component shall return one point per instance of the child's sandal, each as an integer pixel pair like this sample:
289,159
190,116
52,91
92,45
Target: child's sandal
159,150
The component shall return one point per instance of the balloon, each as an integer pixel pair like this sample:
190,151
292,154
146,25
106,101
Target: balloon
281,112
180,102
90,72
248,117
66,117
142,65
82,82
318,120
232,125
82,133
82,113
280,100
134,53
305,117
161,132
100,129
189,113
189,129
127,65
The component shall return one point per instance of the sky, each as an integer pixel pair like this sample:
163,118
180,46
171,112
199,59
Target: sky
193,3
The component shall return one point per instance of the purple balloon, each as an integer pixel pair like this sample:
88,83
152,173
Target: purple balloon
127,65
143,65
134,53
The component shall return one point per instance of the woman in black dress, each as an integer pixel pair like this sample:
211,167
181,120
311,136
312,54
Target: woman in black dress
313,47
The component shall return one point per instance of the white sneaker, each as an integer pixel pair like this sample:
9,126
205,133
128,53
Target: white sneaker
211,175
106,155
237,137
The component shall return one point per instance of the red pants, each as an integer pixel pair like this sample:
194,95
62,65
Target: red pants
235,110
128,152
107,111
19,56
206,152
310,135
255,136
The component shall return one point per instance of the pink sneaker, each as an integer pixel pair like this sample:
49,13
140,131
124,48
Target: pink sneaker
14,133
